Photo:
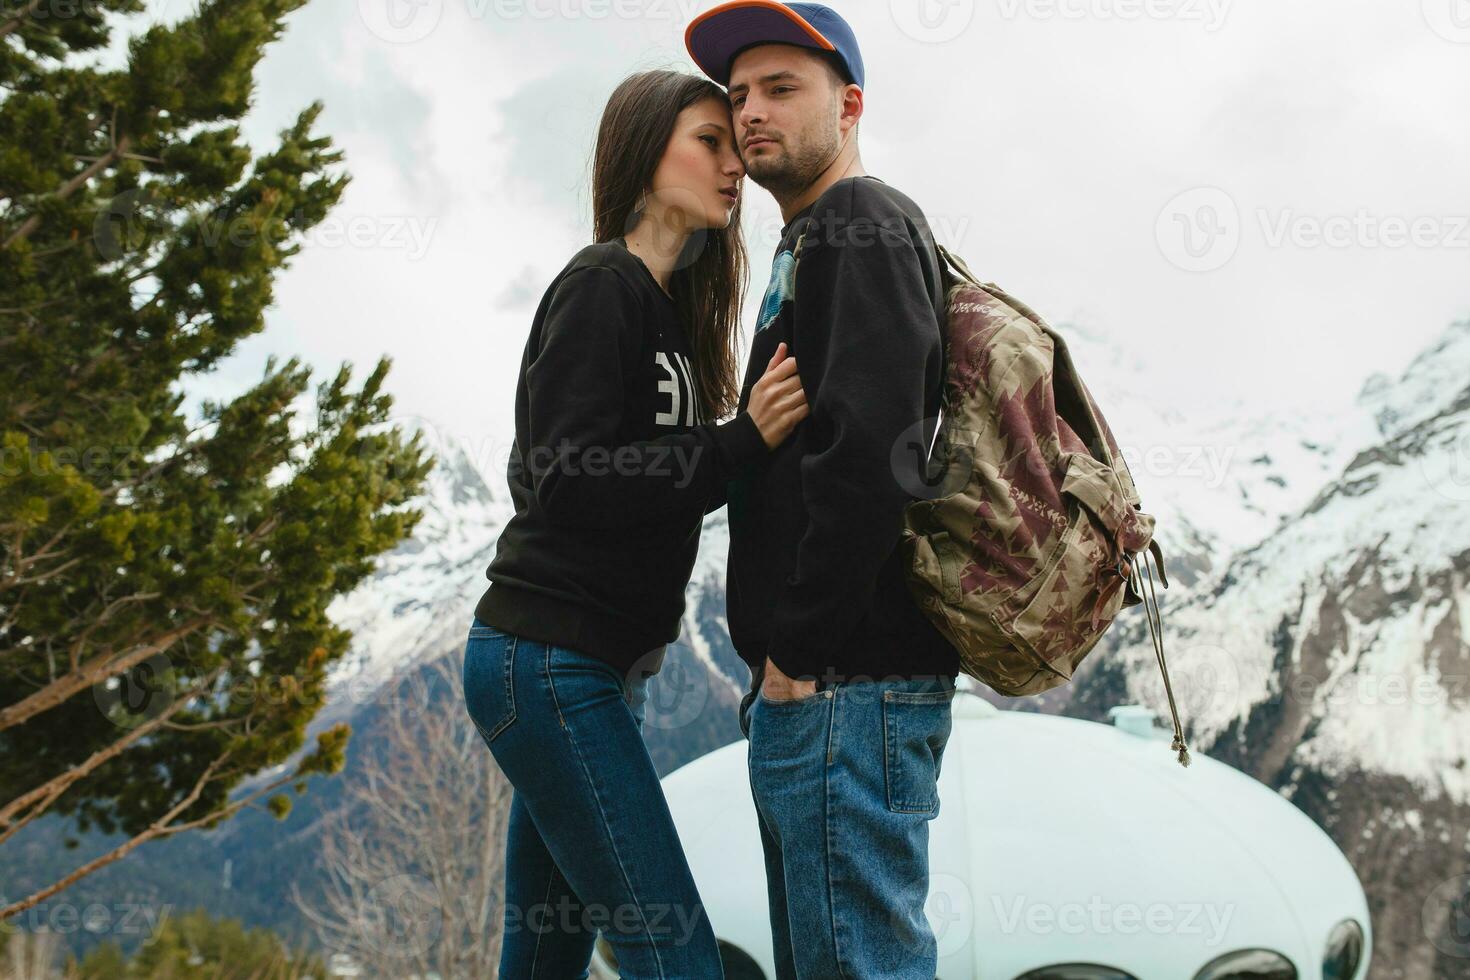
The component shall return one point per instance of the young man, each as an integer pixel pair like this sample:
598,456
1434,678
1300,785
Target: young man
849,709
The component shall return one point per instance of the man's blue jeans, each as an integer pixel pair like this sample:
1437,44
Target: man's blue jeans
845,784
591,844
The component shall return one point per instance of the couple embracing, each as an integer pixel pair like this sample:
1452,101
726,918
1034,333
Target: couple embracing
630,364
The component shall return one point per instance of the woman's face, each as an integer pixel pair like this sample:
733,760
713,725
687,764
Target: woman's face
698,180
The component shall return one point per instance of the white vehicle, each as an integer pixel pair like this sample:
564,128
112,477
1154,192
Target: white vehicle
1069,850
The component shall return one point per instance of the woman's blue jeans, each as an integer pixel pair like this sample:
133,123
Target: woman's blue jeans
591,845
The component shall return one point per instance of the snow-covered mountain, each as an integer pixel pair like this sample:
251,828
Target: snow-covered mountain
1218,476
419,603
1331,658
421,598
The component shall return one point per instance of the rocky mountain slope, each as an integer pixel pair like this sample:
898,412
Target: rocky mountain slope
1330,658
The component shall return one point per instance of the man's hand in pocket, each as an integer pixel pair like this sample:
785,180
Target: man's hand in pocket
778,687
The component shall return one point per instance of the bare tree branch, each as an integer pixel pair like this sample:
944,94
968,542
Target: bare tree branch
414,859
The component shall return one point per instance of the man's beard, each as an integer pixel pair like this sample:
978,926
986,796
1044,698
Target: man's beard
787,173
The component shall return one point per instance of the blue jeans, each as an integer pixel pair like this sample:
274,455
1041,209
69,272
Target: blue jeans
591,844
845,784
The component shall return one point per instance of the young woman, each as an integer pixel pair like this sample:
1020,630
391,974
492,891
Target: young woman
617,459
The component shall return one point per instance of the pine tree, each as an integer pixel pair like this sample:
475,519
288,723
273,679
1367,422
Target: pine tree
164,581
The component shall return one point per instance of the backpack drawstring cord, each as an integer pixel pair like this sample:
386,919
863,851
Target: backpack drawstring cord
1151,611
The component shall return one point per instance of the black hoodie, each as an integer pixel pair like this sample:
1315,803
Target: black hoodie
816,573
613,467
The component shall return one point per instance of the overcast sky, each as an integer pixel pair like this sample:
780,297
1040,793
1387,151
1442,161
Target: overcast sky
1267,200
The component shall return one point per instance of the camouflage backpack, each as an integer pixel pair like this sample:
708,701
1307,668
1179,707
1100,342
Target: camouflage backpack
1022,549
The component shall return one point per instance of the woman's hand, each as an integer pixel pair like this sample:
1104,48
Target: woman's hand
777,400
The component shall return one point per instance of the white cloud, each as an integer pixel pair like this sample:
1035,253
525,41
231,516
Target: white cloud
1045,138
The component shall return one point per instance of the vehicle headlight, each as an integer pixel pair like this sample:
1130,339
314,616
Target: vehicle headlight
1344,953
1248,964
1076,971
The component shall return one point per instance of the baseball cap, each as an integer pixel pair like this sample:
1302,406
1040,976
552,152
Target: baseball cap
717,35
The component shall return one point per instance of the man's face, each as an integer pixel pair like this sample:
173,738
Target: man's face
785,105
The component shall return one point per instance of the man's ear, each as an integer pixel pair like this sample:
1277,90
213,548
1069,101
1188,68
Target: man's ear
850,107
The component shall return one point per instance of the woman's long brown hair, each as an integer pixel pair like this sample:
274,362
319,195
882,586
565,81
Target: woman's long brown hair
708,281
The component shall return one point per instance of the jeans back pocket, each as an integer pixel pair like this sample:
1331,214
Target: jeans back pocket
916,727
489,679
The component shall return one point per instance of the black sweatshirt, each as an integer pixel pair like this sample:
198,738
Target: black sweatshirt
613,467
816,575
